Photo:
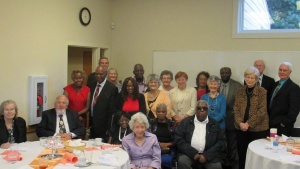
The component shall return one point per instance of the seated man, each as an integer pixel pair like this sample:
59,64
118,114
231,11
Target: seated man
60,121
199,140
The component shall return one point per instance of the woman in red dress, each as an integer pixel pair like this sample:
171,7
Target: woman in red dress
78,95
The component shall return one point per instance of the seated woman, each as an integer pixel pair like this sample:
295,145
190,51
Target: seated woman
112,76
78,95
129,100
116,133
143,148
164,129
166,78
155,96
201,82
12,127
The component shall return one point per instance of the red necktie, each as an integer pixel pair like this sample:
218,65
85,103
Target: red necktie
96,94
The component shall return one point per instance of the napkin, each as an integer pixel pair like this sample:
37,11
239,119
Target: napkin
108,159
91,149
296,151
25,167
75,142
104,147
69,157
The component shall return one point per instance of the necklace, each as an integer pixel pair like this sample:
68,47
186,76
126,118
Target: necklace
152,96
120,134
249,93
212,106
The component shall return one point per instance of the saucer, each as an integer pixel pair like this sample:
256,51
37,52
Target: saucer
86,165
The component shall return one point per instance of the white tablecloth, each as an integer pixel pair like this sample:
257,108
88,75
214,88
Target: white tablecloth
259,157
31,150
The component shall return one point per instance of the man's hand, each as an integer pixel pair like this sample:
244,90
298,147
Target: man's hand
65,136
202,159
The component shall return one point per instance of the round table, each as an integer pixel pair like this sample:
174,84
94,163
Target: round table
259,156
30,150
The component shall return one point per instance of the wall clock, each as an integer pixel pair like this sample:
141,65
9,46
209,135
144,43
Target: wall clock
85,16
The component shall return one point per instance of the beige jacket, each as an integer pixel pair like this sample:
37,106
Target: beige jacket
163,97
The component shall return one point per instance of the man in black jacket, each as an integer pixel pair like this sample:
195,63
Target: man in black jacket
199,140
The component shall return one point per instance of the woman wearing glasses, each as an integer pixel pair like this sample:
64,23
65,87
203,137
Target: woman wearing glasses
216,101
250,113
12,127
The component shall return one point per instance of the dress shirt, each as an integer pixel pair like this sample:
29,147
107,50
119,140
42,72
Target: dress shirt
199,134
148,155
260,79
142,86
224,88
64,117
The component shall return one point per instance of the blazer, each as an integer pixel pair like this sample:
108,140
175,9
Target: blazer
185,105
47,126
120,102
285,105
258,116
229,119
19,130
213,141
104,108
163,97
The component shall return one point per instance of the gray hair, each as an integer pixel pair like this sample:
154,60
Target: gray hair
112,69
289,64
213,78
151,77
138,118
7,102
203,101
58,97
252,70
161,106
166,72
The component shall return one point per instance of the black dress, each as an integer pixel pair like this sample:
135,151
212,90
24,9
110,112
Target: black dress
19,131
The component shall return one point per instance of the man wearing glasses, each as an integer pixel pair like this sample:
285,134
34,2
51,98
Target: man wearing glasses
199,140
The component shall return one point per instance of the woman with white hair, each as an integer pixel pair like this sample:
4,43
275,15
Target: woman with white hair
143,148
216,101
250,113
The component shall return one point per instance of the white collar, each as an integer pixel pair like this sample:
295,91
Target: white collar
203,122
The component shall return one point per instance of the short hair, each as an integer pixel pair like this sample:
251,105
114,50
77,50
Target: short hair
67,100
181,74
203,101
138,118
161,106
166,72
103,57
214,78
118,115
204,73
74,72
252,70
135,90
112,69
151,77
7,102
289,64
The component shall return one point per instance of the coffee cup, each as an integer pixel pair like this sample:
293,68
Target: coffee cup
98,141
81,161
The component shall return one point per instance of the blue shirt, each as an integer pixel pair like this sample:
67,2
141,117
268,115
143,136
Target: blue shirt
217,108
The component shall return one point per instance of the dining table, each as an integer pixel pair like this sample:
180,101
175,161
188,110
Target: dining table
32,151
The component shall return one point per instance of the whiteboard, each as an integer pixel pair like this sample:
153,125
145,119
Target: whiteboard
192,62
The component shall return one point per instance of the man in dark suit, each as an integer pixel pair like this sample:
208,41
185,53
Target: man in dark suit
284,104
264,80
103,62
60,121
103,94
228,88
199,140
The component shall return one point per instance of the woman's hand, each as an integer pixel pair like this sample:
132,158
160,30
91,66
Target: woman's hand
244,126
5,145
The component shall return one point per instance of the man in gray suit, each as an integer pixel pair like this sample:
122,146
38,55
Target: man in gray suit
228,88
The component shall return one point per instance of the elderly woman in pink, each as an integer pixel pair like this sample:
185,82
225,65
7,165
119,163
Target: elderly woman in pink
143,148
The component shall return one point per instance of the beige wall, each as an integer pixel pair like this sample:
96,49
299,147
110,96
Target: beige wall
34,40
143,26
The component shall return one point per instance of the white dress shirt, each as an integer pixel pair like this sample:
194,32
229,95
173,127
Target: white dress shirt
199,135
64,117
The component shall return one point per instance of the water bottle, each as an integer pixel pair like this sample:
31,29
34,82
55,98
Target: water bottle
275,144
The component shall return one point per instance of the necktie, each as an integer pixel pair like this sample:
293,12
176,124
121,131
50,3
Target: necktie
62,128
224,90
258,82
96,95
275,93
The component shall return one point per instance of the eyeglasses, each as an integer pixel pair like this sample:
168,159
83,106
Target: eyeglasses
202,108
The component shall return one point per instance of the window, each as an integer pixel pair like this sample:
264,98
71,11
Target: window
266,19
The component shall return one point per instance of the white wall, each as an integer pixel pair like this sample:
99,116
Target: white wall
34,40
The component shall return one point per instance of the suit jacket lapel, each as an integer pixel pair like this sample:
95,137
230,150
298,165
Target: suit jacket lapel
230,92
282,88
